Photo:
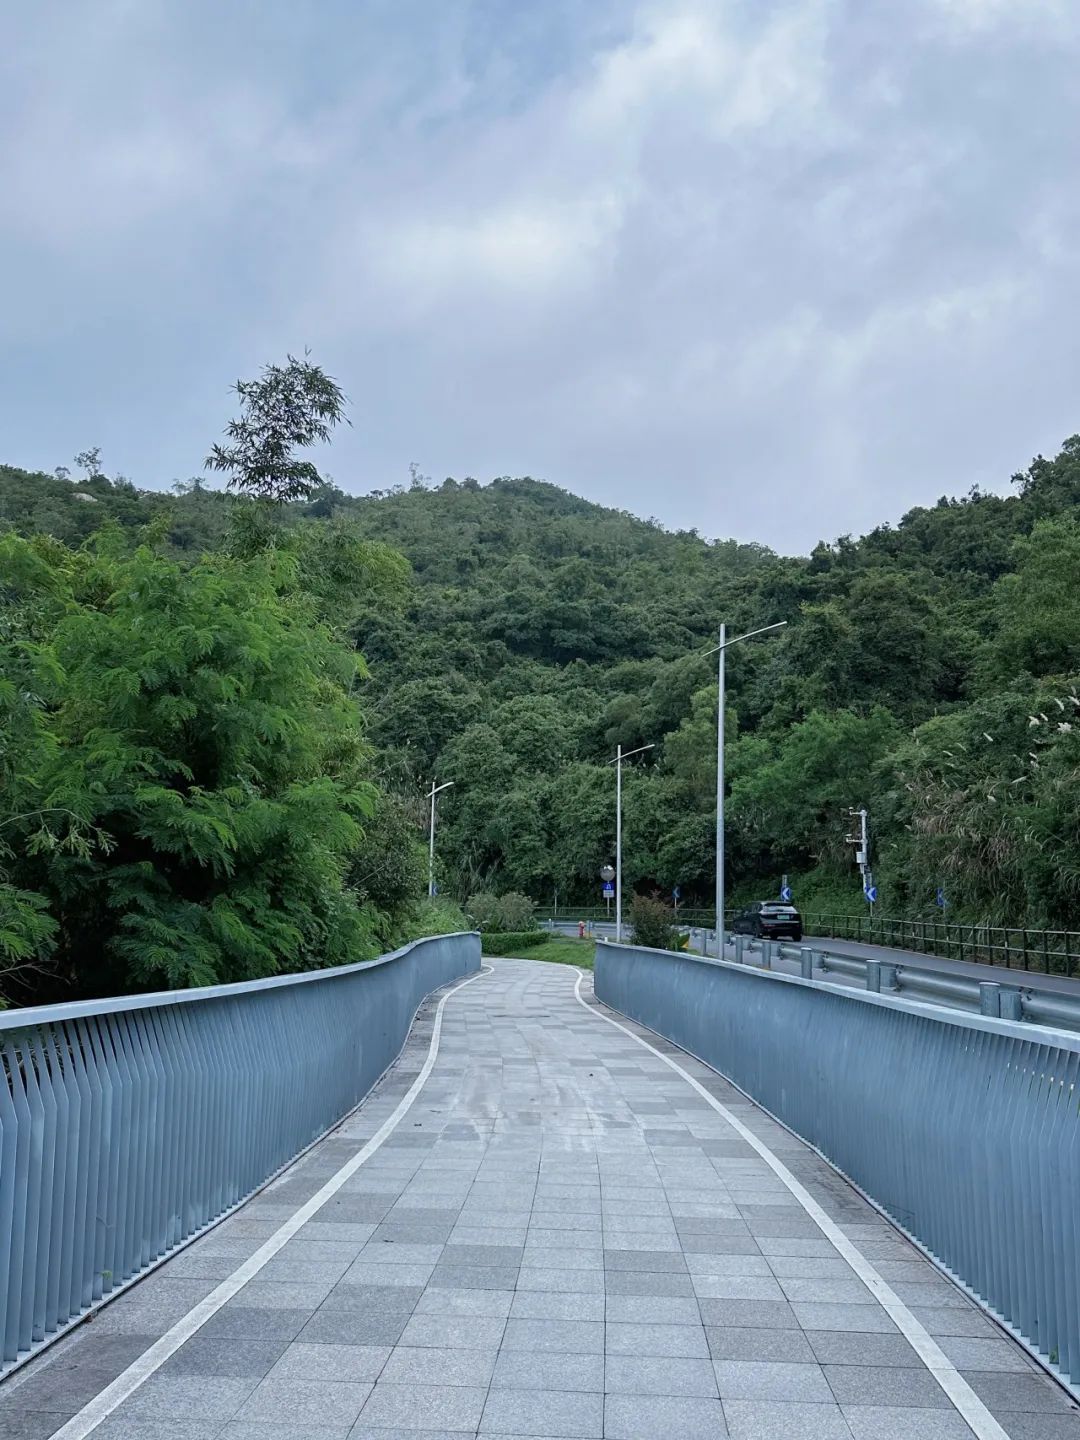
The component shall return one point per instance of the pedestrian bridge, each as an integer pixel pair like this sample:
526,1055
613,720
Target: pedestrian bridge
544,1220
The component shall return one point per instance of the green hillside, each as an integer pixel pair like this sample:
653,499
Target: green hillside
930,671
543,631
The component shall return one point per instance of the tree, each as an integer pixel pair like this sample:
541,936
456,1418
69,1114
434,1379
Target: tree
984,802
90,461
388,865
536,630
198,733
1038,617
27,931
791,805
288,408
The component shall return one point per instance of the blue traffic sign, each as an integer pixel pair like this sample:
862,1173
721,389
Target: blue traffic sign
939,899
785,892
676,893
871,893
609,890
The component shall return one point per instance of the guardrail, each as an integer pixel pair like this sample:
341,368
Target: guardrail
964,1129
986,997
128,1126
1053,952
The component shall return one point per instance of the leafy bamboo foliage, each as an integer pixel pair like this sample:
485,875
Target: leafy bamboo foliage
193,775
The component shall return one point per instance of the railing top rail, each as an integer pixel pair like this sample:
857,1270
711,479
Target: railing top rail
156,999
1032,1033
878,922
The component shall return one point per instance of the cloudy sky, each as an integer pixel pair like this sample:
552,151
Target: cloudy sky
777,269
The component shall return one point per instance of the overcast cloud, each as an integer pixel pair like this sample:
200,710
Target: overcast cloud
777,269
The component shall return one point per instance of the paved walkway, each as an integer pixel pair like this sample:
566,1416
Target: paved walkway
561,1238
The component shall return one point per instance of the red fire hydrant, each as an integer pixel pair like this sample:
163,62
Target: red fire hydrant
581,929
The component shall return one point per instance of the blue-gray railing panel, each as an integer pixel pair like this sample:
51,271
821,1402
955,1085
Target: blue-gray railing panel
128,1126
965,1129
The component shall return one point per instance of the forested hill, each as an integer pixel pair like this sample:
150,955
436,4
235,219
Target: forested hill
930,671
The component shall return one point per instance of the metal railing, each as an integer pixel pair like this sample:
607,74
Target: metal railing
986,997
567,914
1053,952
1049,952
128,1126
964,1129
878,971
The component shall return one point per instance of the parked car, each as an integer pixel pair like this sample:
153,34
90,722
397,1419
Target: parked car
769,920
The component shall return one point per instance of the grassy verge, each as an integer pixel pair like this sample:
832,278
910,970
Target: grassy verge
562,950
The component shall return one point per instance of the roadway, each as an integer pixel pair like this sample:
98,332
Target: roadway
541,1224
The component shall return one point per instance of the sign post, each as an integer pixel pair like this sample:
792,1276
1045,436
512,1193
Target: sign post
861,840
607,875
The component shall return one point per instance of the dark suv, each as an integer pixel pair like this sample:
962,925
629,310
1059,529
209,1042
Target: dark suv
769,920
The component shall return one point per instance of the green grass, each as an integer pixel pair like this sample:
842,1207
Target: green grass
563,950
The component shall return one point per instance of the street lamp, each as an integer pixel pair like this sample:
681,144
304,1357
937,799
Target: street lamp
435,789
620,756
721,650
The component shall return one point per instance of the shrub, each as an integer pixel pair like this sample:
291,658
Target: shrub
510,942
429,917
653,923
516,912
501,913
483,911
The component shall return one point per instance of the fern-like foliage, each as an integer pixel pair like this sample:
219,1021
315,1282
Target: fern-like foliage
185,775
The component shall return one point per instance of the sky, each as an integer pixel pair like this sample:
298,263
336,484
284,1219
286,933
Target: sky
771,269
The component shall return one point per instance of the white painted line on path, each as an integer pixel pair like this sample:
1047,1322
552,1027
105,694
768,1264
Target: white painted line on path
128,1381
963,1397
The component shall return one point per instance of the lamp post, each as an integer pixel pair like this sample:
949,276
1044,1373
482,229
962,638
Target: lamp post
435,789
620,756
721,650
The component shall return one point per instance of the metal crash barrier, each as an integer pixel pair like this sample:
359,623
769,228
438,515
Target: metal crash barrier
128,1126
913,982
964,1128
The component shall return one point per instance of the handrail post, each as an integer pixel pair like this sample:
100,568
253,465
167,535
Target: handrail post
990,998
1011,1002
